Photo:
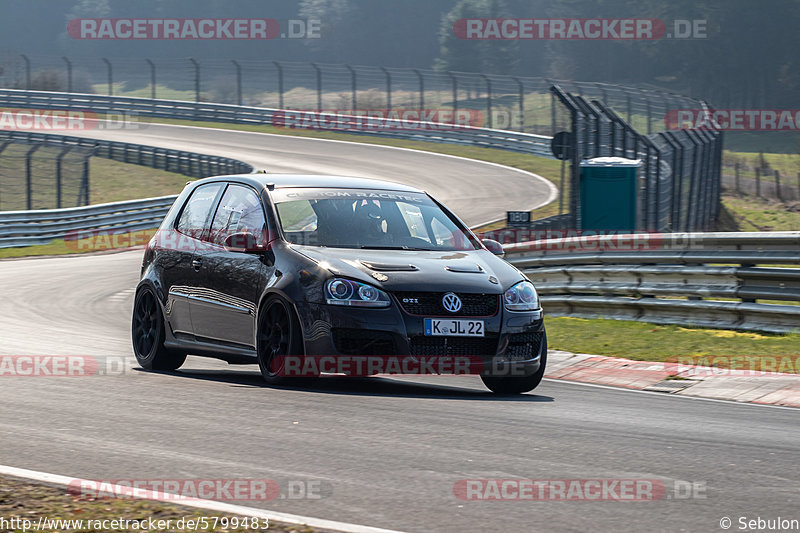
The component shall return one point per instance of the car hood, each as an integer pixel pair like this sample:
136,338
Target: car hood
476,271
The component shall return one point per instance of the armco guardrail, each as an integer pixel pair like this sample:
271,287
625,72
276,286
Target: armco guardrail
696,279
191,164
27,228
202,111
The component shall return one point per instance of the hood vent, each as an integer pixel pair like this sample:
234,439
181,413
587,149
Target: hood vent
466,268
388,267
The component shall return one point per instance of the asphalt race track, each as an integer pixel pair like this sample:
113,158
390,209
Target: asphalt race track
477,192
387,451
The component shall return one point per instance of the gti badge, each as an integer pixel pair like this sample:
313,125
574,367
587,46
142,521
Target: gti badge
451,302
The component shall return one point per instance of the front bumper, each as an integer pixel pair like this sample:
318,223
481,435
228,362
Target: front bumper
513,344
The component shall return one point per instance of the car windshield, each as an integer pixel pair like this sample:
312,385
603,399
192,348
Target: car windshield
368,219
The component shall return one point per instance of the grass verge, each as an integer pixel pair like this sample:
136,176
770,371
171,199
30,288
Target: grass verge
30,501
651,342
749,213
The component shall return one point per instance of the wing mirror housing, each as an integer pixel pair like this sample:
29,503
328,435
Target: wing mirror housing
244,242
493,246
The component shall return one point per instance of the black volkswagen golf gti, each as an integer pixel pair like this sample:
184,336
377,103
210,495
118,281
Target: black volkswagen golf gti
306,275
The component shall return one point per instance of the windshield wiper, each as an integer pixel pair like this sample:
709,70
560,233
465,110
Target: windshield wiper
378,247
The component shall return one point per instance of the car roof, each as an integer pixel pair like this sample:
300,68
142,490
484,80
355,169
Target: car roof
283,181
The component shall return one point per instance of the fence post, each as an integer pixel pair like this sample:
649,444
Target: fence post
758,182
488,98
152,78
521,88
628,105
110,76
86,179
29,176
196,79
649,127
27,71
69,73
421,92
454,83
778,185
736,170
388,88
319,86
238,82
353,91
59,159
553,112
280,83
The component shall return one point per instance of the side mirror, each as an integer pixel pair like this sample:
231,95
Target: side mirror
493,246
244,242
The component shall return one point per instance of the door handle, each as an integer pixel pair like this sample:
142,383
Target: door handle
196,263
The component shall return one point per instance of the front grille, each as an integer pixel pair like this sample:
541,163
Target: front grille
523,346
453,346
430,304
363,342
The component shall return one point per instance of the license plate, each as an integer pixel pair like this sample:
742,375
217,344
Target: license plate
436,327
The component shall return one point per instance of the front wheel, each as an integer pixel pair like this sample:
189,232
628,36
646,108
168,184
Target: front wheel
518,384
279,337
147,334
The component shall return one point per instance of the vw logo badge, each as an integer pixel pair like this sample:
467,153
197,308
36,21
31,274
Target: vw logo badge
451,302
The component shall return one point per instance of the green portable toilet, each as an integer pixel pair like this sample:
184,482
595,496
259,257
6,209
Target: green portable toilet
608,193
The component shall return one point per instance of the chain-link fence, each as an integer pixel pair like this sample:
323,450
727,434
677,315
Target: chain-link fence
42,176
681,168
679,186
518,103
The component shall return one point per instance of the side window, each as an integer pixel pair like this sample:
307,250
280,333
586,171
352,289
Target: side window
440,232
297,215
239,211
197,209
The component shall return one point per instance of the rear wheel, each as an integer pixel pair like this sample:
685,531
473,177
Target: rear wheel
147,334
518,384
279,337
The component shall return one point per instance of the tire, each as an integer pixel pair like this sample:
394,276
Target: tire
147,334
279,335
518,384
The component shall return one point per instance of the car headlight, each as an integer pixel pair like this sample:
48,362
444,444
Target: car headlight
340,291
521,297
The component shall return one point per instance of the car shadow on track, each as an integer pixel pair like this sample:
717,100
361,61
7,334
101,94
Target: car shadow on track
362,386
